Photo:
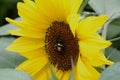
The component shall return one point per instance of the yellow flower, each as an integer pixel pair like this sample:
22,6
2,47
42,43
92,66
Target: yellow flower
51,33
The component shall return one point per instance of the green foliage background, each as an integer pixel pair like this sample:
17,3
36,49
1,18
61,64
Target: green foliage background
8,9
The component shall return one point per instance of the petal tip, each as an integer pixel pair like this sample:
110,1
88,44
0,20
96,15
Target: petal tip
104,17
8,48
7,19
108,43
110,62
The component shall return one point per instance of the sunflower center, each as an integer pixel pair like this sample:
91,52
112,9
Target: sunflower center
61,46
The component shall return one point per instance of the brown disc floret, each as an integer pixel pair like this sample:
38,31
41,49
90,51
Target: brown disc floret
61,46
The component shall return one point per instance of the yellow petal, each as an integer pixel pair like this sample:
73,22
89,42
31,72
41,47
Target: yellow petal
75,5
28,33
73,20
30,4
95,40
33,66
66,75
54,8
59,74
58,9
90,25
93,55
44,74
16,23
25,25
23,44
86,72
34,53
26,12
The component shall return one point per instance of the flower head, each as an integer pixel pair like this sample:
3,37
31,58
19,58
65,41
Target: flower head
50,32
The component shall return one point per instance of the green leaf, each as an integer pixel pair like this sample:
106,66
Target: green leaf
11,74
110,7
116,44
98,6
87,14
111,73
85,2
8,59
5,28
113,54
114,29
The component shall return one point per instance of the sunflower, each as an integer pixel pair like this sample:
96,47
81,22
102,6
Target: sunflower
51,33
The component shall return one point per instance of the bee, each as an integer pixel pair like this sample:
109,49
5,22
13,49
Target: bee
59,45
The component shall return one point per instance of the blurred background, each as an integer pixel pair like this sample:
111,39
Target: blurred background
8,9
